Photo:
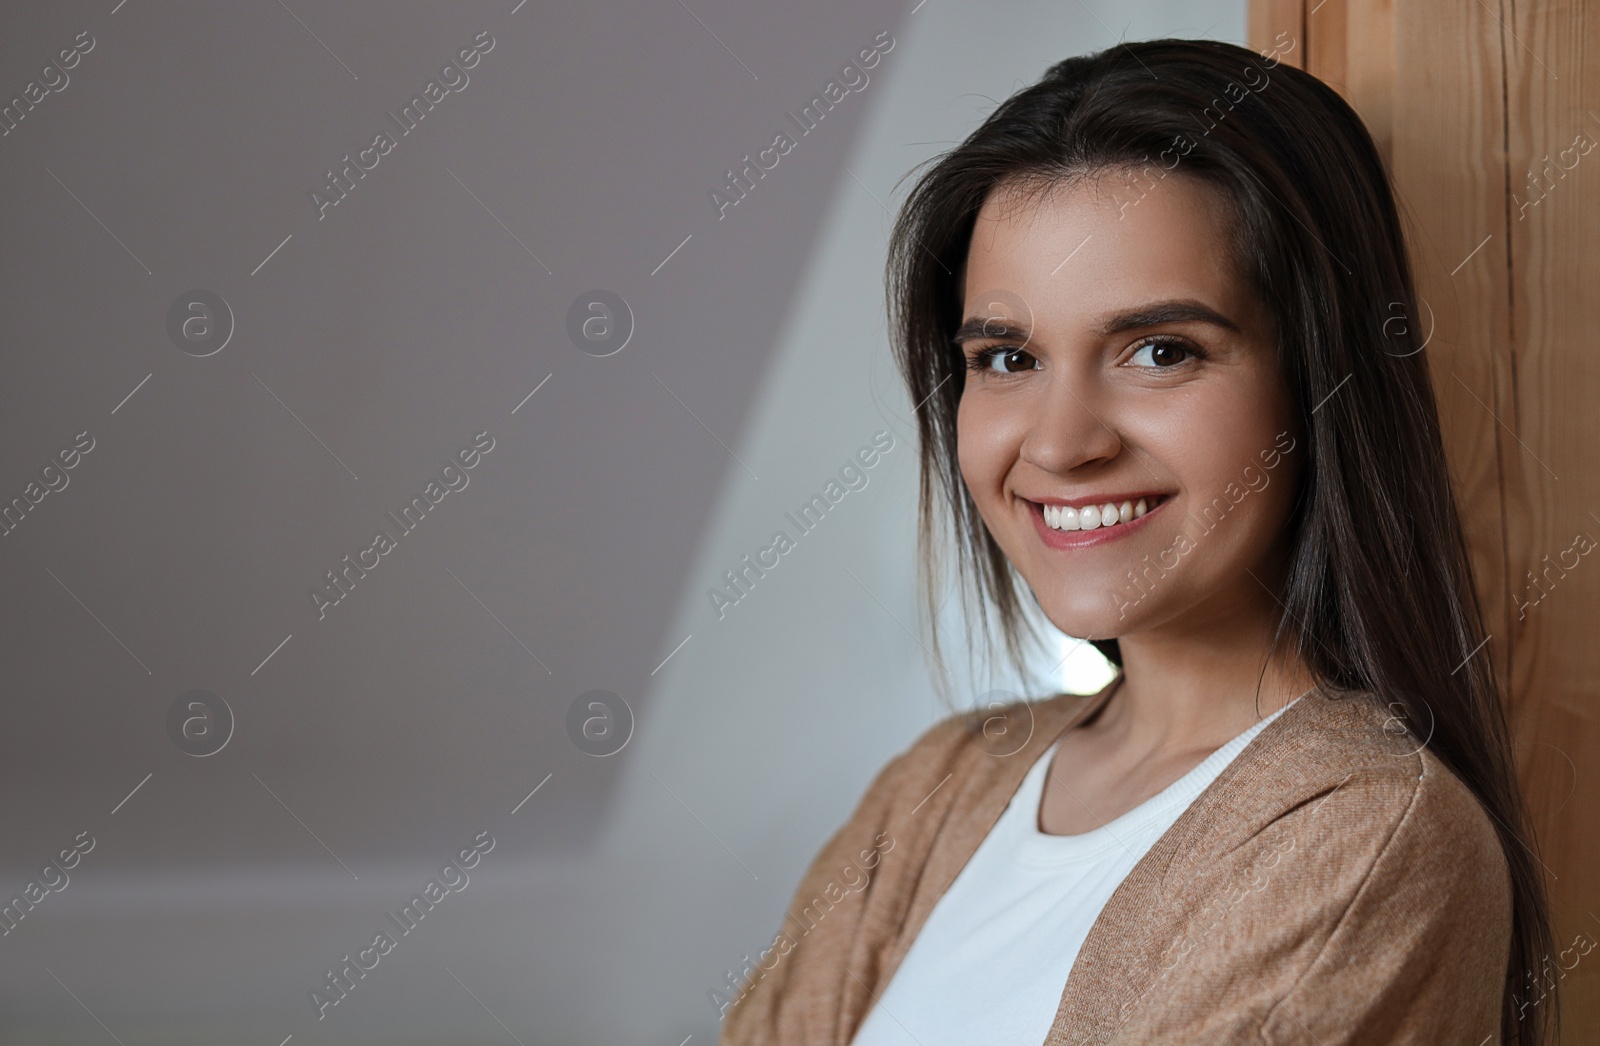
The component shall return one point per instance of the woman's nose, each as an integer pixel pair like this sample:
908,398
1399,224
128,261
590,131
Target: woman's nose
1071,426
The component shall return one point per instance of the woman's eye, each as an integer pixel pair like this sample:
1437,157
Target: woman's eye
1162,354
1004,359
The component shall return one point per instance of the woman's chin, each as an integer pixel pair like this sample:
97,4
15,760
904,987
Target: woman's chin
1088,623
1111,612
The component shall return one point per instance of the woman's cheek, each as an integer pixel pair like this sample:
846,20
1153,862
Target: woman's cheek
974,448
990,428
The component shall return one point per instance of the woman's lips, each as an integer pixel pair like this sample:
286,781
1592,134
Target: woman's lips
1076,539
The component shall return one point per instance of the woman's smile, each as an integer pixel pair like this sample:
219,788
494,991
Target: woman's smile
1091,522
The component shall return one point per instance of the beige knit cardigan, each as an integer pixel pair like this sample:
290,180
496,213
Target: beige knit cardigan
1336,883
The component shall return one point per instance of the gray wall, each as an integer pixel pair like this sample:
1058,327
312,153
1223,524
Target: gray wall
373,740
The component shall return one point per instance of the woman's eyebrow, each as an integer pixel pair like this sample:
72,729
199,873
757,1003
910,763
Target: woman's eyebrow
1177,310
991,327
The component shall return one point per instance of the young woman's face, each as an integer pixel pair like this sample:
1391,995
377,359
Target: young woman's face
1116,358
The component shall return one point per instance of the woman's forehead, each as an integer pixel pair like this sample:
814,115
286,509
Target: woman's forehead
1080,249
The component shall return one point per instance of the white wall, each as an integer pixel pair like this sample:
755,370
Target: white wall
754,741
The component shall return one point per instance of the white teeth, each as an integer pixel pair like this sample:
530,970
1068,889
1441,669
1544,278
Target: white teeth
1092,517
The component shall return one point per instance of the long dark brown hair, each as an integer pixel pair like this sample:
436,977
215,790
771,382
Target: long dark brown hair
1379,596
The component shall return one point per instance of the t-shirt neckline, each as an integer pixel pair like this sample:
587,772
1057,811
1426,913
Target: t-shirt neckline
1035,846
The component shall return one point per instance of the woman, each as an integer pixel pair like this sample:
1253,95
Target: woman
1152,312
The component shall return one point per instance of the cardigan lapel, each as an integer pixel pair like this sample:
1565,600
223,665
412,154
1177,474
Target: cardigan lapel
982,779
1123,951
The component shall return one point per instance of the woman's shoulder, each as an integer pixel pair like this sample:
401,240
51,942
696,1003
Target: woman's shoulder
1352,821
1353,757
1333,859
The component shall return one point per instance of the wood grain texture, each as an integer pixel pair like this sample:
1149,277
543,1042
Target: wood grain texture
1553,218
1478,108
1266,18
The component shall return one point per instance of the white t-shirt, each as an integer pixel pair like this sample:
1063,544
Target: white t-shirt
991,962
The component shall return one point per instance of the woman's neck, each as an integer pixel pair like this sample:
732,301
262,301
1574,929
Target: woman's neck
1198,687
